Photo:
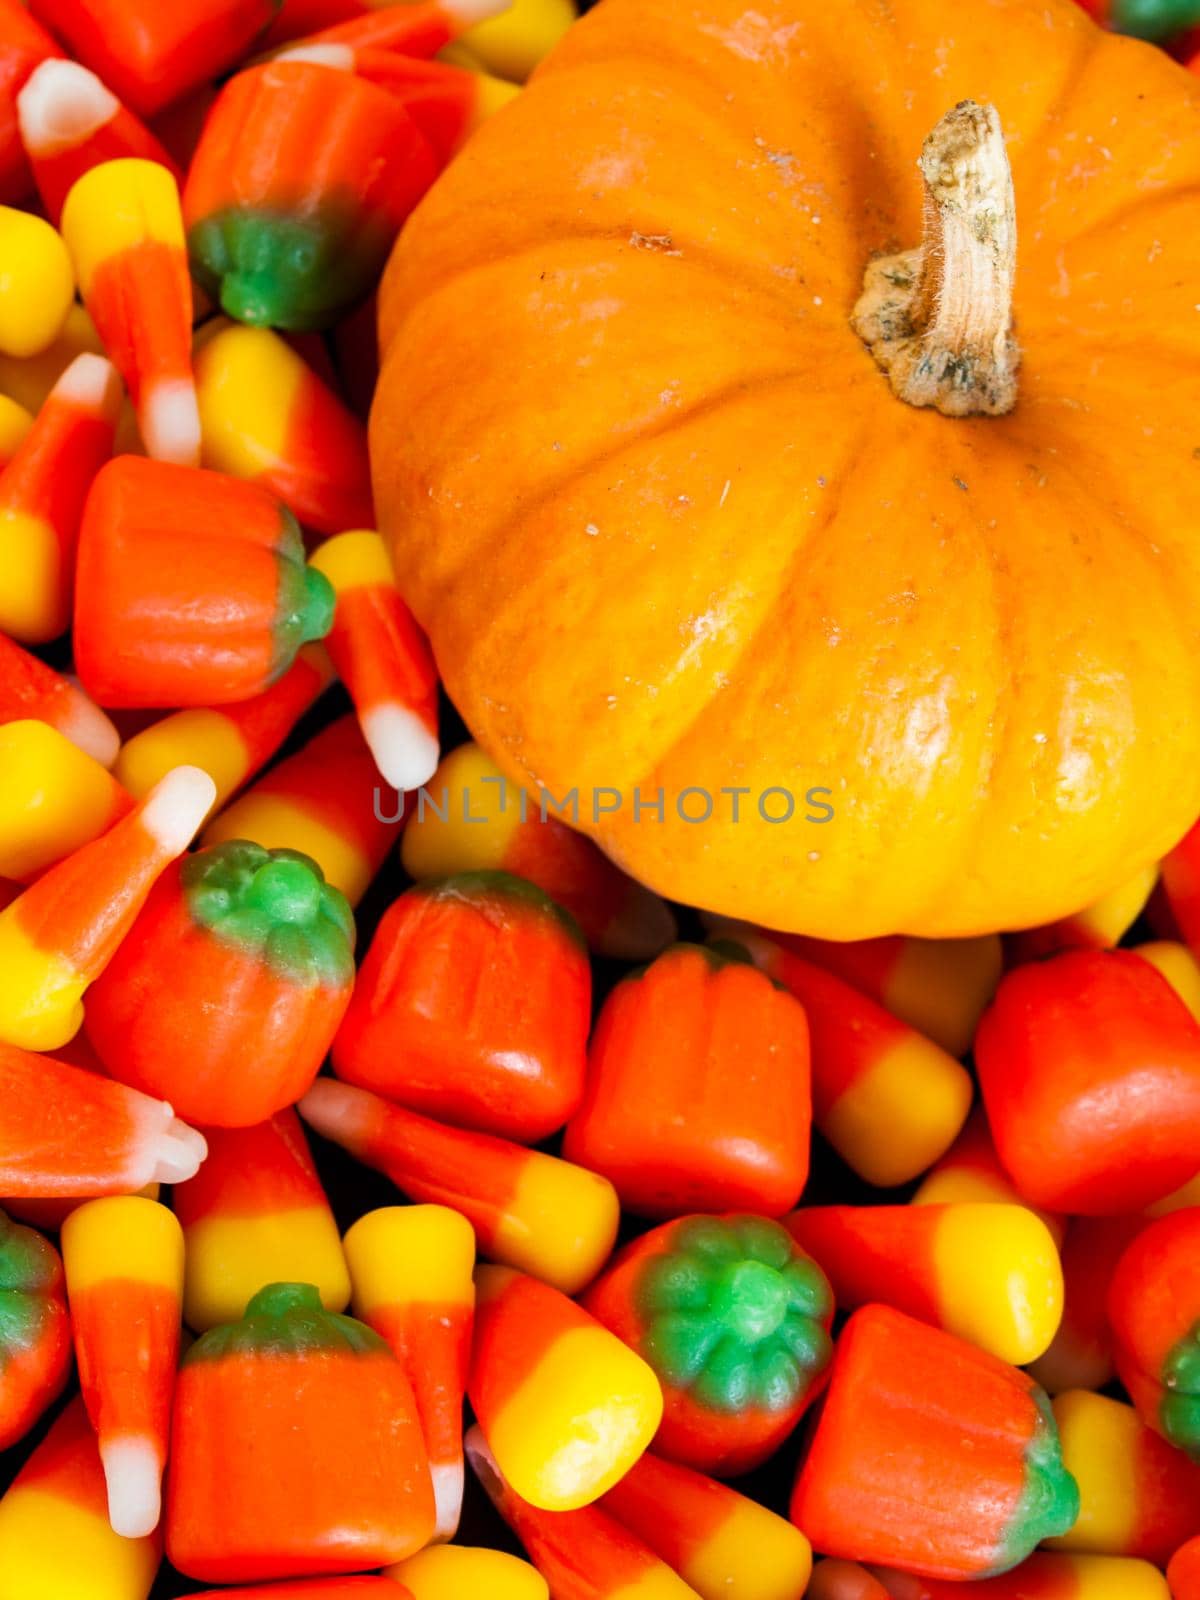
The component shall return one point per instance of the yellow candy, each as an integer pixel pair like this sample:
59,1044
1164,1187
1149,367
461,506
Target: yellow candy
29,379
247,380
37,285
401,1255
999,1278
1100,1439
53,798
1178,966
198,737
229,1259
15,423
513,43
466,785
455,1571
118,206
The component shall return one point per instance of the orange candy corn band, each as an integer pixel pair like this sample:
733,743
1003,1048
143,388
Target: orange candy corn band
30,689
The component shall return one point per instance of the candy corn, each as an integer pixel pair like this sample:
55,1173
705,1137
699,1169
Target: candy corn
887,1477
411,1270
192,588
15,423
889,1100
255,1209
584,1554
266,416
938,986
316,1589
243,1503
55,1537
152,53
1090,1069
35,1334
282,241
449,1571
698,1089
1043,1577
228,987
30,690
383,658
124,228
1178,966
54,798
38,284
1098,927
734,1319
23,44
1180,883
517,37
231,743
1154,1313
989,1273
420,29
473,1005
124,1265
324,801
529,1210
70,123
67,1132
42,494
1080,1355
469,818
567,1407
57,937
727,1547
1137,1496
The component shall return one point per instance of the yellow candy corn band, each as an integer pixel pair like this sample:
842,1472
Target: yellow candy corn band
753,1555
198,738
410,1253
578,1422
15,423
513,43
1178,966
53,1549
432,848
901,1115
118,206
940,986
229,1259
1109,918
280,824
32,596
37,286
122,1237
560,1224
1099,1439
54,798
354,560
1115,1578
41,994
450,1572
246,382
963,1186
657,1583
30,379
1000,1282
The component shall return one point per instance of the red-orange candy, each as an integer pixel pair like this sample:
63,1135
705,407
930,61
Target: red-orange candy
698,1090
734,1319
243,1502
191,588
1154,1312
1090,1069
23,44
152,53
1183,1570
473,1005
930,1455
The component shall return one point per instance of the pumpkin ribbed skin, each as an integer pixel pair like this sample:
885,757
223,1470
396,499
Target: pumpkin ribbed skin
666,523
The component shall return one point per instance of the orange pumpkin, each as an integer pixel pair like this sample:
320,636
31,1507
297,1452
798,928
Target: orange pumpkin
667,524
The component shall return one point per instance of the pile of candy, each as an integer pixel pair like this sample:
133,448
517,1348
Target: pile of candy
198,203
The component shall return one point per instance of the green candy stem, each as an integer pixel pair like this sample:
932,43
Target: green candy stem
733,1312
305,604
1154,20
1179,1410
274,905
29,1271
1049,1503
513,893
286,1319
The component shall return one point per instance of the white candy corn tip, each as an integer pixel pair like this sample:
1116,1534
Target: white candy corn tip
448,1498
338,56
405,750
176,806
468,12
642,929
92,383
336,1110
177,1154
133,1474
90,730
61,105
169,422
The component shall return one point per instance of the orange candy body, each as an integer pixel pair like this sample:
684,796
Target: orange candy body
698,1090
1090,1069
22,45
472,1005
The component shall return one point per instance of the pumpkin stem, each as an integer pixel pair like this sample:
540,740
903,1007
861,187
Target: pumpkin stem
938,319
